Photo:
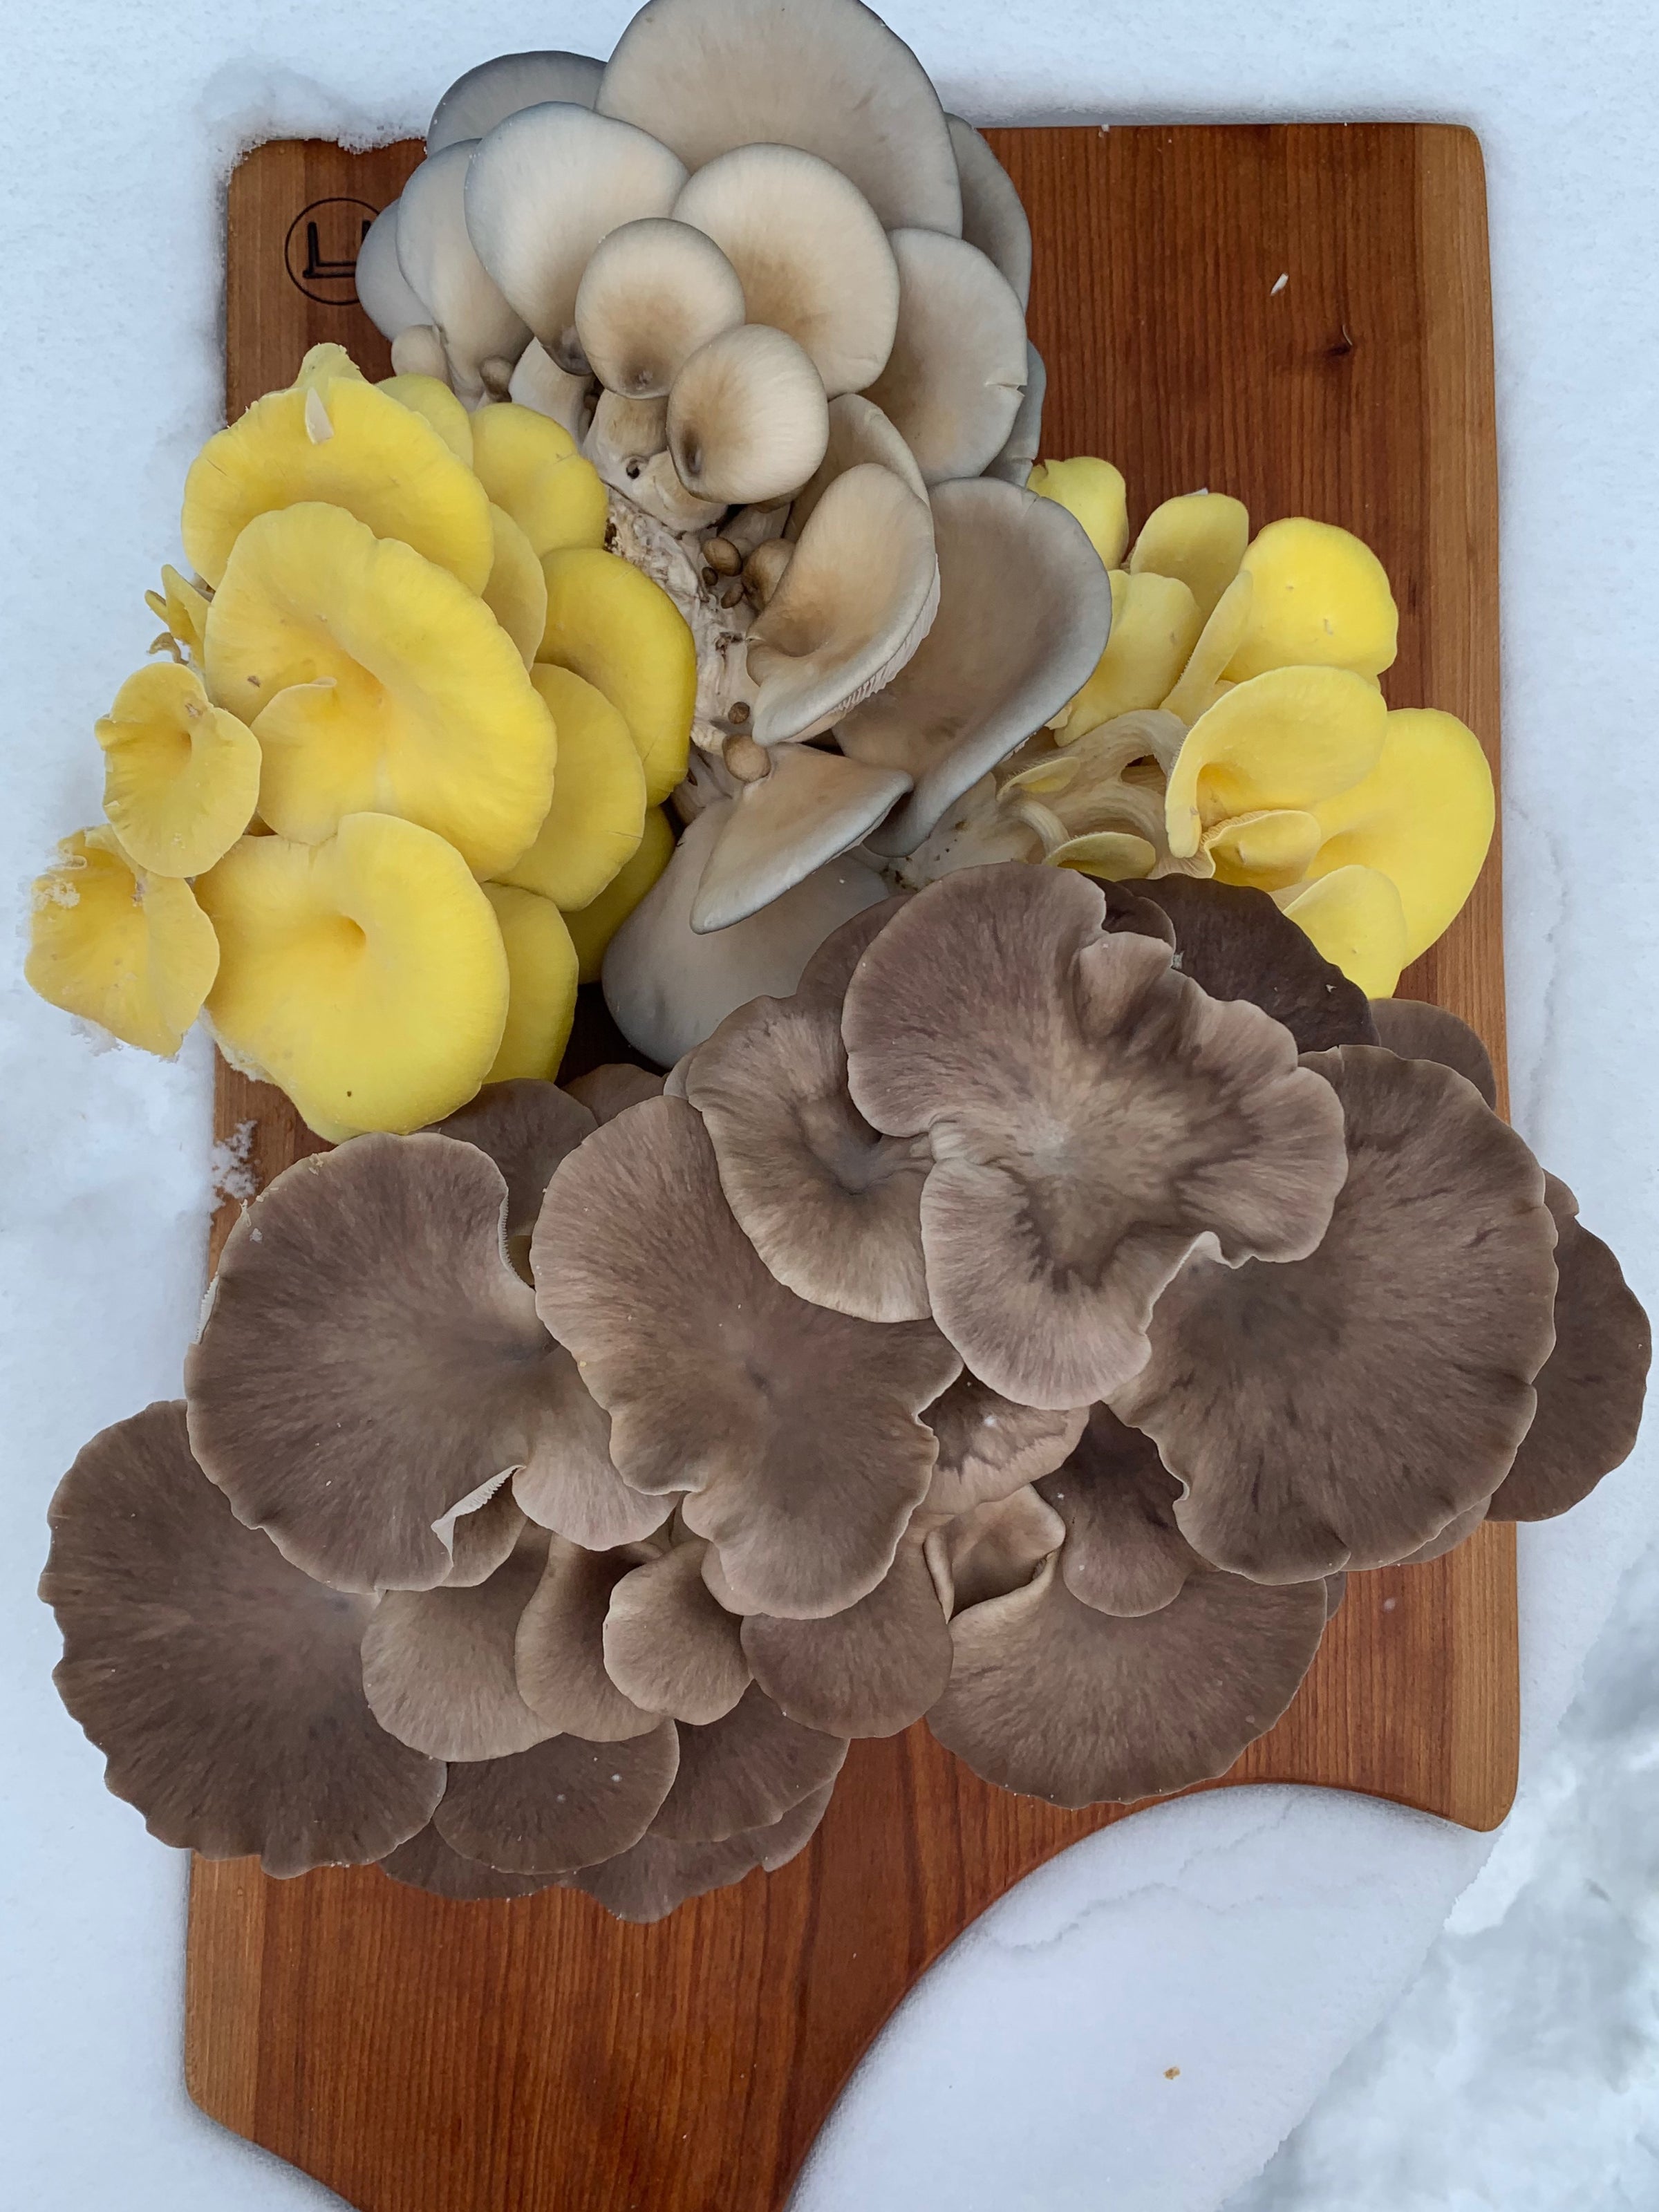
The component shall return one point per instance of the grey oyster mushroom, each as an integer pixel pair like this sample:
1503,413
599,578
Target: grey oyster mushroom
475,322
487,95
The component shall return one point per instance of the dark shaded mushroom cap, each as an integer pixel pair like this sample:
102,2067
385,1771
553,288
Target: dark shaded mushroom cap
1235,944
1591,1387
989,1446
1092,1114
745,1771
648,1882
438,1665
560,1648
527,1128
1417,1031
1056,1700
793,1430
611,1089
670,1645
869,1671
565,1804
221,1684
426,1861
992,1549
1123,1553
1338,1412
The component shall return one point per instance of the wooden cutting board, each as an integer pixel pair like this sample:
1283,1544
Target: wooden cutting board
1300,316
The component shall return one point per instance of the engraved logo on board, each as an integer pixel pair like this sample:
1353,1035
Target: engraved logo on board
321,249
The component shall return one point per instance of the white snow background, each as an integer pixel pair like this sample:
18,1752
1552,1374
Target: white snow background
1259,1939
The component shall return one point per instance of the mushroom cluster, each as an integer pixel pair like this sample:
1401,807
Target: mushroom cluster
1025,1324
400,775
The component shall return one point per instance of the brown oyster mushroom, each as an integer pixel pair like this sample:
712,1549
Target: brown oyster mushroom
1591,1387
1337,1411
563,1805
560,1648
869,1671
438,1664
1336,1589
572,1486
427,1862
989,1447
370,1361
1235,944
526,1126
670,1645
610,1089
992,1549
1457,1531
482,1539
1123,1553
1417,1031
1129,909
1092,1114
657,1875
745,1771
221,1684
791,1430
1055,1700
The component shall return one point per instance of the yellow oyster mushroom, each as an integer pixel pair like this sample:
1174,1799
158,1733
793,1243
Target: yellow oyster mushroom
1201,682
541,967
1354,917
1322,599
430,397
119,946
365,975
1201,538
516,594
1286,739
181,776
1423,817
592,926
182,611
322,364
529,464
1117,856
381,685
609,622
597,816
1270,850
1155,626
1095,492
339,439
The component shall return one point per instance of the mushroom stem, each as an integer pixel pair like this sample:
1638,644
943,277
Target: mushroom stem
748,762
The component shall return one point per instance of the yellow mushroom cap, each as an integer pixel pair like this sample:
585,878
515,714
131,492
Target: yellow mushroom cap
529,464
1095,492
1286,739
592,926
541,967
181,608
1322,599
1269,850
1117,856
1423,817
382,686
1201,538
1355,919
340,440
181,776
516,594
429,396
366,975
609,622
597,816
1155,626
130,950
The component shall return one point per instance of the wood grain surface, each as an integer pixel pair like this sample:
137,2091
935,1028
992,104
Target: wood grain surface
538,2057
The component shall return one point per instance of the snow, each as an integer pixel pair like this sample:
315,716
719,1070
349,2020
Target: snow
1253,1940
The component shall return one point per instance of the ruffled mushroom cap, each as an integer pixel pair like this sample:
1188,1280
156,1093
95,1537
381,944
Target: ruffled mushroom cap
560,1648
992,217
438,1664
181,777
180,609
132,951
365,975
1201,538
867,1671
1286,740
745,1771
478,325
670,1645
989,1447
859,431
1338,1411
426,1861
792,1429
541,972
707,75
654,292
597,820
1054,1699
957,371
1236,943
1120,1115
1094,492
1320,600
648,1882
516,592
1024,609
1123,1553
807,809
1417,1031
221,1684
614,1087
377,684
610,624
991,1549
487,95
810,253
561,1805
527,1128
748,420
592,926
529,466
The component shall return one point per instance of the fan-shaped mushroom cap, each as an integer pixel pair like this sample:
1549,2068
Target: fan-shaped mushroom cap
706,75
859,431
487,95
541,975
867,1671
1199,683
438,1664
1154,629
657,1875
592,926
529,464
440,259
611,1089
1123,1553
1416,1030
610,624
808,808
992,217
989,1447
538,382
792,1429
544,188
669,1644
810,253
1338,1411
992,1549
855,602
516,592
1321,599
180,609
527,1128
131,952
384,293
1120,1115
1050,1698
1095,493
221,1684
1236,943
597,816
1200,538
747,417
1018,458
572,1486
1591,1387
668,989
431,398
1023,611
652,292
1354,916
426,1861
561,1805
954,379
1290,738
561,1652
746,1770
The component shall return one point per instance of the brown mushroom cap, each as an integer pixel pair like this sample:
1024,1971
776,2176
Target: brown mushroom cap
221,1684
481,1541
438,1668
793,1430
989,1447
1417,1031
563,1805
1056,1700
1123,1553
1339,1411
426,1861
648,1882
745,1771
992,1549
1235,944
571,1485
1092,1114
610,1089
527,1128
670,1645
1590,1389
560,1648
869,1671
